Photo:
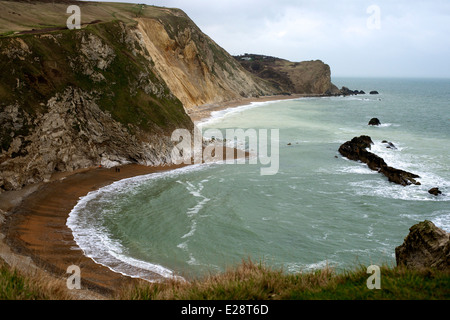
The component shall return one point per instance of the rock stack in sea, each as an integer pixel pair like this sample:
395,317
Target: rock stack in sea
374,122
435,191
356,150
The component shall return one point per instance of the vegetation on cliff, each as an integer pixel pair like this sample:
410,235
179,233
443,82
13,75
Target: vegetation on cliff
110,93
75,99
253,281
306,77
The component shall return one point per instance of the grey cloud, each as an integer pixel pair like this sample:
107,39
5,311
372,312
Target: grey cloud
412,39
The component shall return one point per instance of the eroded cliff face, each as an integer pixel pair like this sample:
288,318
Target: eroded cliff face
108,94
74,133
309,76
78,99
306,77
113,92
195,68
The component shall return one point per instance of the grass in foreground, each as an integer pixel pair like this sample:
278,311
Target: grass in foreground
14,285
251,281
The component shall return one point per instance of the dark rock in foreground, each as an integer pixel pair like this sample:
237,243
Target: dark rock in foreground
374,92
374,122
426,246
356,150
435,191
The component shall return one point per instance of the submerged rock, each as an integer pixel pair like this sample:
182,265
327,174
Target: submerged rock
435,191
390,145
356,150
374,122
426,246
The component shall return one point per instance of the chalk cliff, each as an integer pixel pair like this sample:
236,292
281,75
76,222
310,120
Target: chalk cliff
111,92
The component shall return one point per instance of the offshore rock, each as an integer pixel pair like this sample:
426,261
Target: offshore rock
356,150
389,145
348,92
435,191
426,246
374,122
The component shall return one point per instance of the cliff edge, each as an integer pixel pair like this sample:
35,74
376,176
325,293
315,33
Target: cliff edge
196,69
81,98
113,91
306,77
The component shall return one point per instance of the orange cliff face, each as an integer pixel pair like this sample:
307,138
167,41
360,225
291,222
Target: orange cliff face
114,91
194,67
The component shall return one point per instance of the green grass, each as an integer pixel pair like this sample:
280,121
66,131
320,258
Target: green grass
6,34
47,70
251,281
13,286
16,286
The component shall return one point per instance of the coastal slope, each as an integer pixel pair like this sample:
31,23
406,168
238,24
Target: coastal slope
196,69
82,98
306,77
113,91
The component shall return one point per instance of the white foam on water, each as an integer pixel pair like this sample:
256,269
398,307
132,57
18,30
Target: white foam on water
442,221
294,267
193,214
217,116
95,241
358,169
399,159
441,218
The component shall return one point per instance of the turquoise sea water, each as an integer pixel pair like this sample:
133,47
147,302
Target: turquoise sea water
319,208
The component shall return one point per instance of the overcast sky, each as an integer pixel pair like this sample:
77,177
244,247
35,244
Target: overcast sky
355,37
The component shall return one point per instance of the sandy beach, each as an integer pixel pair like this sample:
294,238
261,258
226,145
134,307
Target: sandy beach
202,112
35,223
37,227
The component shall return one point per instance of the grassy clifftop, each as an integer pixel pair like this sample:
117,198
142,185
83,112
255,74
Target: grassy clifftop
250,281
109,93
35,67
73,99
23,15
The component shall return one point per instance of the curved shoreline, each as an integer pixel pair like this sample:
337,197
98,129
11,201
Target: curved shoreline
35,224
37,227
203,112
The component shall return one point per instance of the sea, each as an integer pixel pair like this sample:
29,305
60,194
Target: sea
316,209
